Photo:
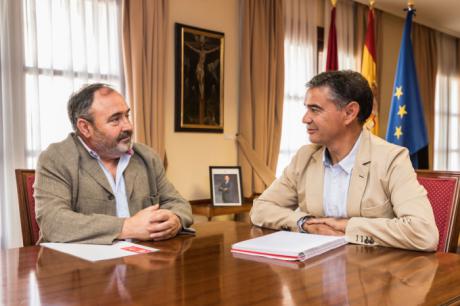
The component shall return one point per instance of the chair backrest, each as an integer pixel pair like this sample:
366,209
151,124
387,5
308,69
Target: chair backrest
443,188
30,230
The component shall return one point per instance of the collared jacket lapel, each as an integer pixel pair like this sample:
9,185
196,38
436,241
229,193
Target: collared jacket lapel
130,175
314,184
359,175
91,166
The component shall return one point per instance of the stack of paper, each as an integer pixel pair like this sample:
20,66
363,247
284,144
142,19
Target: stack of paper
289,245
283,263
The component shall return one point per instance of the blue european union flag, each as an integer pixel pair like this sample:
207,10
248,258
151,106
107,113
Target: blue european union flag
406,124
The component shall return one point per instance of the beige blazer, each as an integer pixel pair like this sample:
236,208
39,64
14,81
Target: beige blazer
386,204
75,203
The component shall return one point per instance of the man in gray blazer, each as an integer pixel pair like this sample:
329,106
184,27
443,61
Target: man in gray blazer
348,181
98,186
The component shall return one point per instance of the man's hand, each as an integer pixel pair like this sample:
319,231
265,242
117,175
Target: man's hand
333,223
151,223
321,229
139,225
165,225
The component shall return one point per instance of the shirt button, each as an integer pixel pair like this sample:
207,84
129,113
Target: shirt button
110,197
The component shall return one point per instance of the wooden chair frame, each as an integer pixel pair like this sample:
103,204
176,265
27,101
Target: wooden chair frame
26,223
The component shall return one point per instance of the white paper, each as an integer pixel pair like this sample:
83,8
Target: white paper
289,245
95,252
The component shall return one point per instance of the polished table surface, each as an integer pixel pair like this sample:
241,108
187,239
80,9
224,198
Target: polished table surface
201,270
209,210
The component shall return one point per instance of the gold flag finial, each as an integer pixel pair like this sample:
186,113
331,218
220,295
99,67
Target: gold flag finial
371,3
333,2
410,4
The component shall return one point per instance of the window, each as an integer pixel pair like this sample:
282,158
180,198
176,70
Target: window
300,65
67,43
447,109
305,49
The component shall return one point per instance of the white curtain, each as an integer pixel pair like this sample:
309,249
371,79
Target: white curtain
67,44
48,49
303,61
344,23
300,60
447,105
12,131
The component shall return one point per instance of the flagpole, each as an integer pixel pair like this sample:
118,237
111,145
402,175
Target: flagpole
410,6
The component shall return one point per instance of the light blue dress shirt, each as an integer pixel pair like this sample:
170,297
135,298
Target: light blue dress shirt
117,183
336,182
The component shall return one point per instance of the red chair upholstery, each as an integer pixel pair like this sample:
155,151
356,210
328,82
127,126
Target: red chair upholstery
30,230
443,188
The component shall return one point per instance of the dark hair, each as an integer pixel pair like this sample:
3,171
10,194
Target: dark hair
80,102
346,86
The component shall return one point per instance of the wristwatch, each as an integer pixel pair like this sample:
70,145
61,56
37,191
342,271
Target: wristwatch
301,222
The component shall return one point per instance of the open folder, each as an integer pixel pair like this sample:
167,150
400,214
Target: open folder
288,245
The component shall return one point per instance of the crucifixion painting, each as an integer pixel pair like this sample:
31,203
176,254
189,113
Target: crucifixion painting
200,87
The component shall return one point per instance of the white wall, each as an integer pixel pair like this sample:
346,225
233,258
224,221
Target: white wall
190,154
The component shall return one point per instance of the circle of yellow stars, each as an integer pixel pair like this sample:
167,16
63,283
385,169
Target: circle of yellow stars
401,111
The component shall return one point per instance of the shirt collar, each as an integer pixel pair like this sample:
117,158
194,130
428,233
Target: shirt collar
347,163
94,154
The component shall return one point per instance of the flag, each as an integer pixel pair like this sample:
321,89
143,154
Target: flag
406,124
369,69
332,63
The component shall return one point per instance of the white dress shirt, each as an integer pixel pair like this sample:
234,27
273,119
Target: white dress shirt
117,183
336,182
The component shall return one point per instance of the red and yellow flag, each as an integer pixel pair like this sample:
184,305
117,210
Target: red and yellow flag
369,69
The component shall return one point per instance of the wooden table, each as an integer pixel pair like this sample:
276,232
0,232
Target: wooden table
201,270
206,208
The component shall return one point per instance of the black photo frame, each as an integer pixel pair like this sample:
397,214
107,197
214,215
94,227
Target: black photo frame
199,80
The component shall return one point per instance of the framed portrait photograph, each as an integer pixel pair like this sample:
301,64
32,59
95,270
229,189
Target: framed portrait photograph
226,187
199,80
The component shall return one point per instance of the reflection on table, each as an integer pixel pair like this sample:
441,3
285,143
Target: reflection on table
201,270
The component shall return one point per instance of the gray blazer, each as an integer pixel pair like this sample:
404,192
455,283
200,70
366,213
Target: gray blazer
75,203
386,204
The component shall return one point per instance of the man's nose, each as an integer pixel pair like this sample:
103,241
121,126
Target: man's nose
127,125
306,117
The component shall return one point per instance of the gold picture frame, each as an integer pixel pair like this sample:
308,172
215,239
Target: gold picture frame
199,80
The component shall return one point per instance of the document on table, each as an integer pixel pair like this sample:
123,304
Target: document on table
95,252
288,245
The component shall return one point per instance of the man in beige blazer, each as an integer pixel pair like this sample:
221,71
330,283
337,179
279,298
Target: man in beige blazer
348,181
96,186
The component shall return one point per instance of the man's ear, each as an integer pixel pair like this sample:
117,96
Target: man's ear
84,127
351,111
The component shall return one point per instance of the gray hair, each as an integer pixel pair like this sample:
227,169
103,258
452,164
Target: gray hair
80,102
344,87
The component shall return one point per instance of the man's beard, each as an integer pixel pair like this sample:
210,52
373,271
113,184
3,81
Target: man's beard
112,148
